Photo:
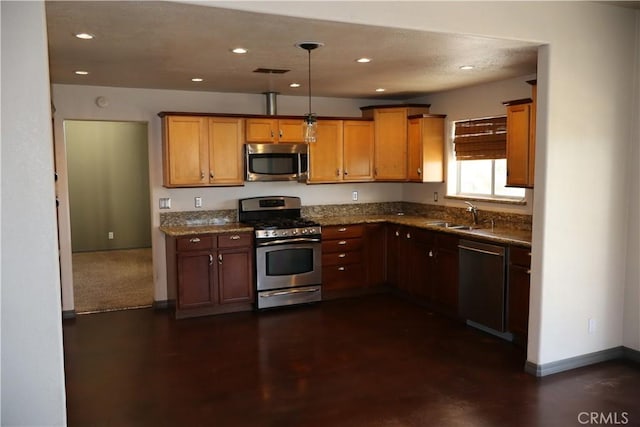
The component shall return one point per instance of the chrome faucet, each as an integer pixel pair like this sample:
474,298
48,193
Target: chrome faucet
474,211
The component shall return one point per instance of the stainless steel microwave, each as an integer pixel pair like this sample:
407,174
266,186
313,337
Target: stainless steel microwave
276,162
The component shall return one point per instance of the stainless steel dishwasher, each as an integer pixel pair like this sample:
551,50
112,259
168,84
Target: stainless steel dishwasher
482,284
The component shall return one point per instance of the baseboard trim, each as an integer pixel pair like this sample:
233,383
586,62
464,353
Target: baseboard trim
163,305
68,314
580,361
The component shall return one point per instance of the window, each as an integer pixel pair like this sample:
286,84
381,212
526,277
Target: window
480,150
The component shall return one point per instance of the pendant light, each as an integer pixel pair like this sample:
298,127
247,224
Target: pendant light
310,120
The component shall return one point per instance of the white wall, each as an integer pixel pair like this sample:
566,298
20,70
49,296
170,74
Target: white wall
32,358
78,103
468,103
583,139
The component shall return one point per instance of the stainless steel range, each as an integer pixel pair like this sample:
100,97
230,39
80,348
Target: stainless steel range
288,251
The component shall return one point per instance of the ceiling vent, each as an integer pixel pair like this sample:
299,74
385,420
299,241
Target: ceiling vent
270,71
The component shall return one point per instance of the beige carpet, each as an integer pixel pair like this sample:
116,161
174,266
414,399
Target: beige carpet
112,280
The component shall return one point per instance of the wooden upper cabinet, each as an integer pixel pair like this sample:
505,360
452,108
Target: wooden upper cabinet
357,150
521,140
185,151
202,151
518,140
274,130
343,152
425,158
226,137
390,146
325,155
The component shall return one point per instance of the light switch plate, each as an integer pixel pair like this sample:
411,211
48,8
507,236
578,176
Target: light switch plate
198,202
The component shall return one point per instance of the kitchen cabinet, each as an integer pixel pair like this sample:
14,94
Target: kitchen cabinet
274,130
210,274
202,151
519,273
343,152
425,157
342,257
444,294
521,141
390,139
375,254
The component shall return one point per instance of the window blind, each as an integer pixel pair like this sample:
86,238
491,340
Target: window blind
477,139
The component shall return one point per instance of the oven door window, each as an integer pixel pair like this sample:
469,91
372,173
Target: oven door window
287,262
273,164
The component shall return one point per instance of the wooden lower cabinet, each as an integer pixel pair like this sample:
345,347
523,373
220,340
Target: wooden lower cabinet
518,293
445,274
210,274
342,258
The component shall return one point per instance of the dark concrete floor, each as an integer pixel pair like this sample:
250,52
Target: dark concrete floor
370,361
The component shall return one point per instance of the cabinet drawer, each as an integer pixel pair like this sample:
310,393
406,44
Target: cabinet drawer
343,277
194,243
341,258
233,240
343,245
342,232
520,256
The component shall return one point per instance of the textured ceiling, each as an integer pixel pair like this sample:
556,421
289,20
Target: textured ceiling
162,45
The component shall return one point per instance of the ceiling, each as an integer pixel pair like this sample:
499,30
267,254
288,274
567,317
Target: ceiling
163,45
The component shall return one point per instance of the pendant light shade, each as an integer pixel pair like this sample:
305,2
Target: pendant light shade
310,120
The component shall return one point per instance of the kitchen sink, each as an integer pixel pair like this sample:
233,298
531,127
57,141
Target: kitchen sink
453,226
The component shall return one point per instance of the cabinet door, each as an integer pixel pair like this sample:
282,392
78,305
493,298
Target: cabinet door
357,151
518,302
375,254
325,155
445,286
185,151
518,137
196,283
414,150
290,130
261,130
225,151
235,275
432,149
390,144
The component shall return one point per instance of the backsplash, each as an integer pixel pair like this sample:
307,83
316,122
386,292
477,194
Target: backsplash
445,213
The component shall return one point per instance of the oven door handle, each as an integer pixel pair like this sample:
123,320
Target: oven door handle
289,241
287,292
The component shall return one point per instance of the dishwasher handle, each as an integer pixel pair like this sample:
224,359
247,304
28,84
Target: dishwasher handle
482,251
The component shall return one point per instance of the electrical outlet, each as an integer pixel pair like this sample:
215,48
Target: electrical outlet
354,196
592,326
435,196
110,235
198,202
165,203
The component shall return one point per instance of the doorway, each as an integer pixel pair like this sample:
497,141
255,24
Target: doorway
108,172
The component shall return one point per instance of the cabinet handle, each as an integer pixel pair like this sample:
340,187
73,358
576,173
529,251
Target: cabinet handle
342,255
375,171
337,172
280,133
220,259
201,174
342,229
430,254
408,235
194,240
341,268
345,173
234,237
419,171
272,134
210,259
342,242
397,233
528,271
211,175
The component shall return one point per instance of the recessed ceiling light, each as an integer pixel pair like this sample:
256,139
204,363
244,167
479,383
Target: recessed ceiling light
239,50
81,72
294,85
380,89
363,60
197,79
84,36
467,67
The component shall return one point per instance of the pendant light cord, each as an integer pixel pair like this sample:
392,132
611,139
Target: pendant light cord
309,56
